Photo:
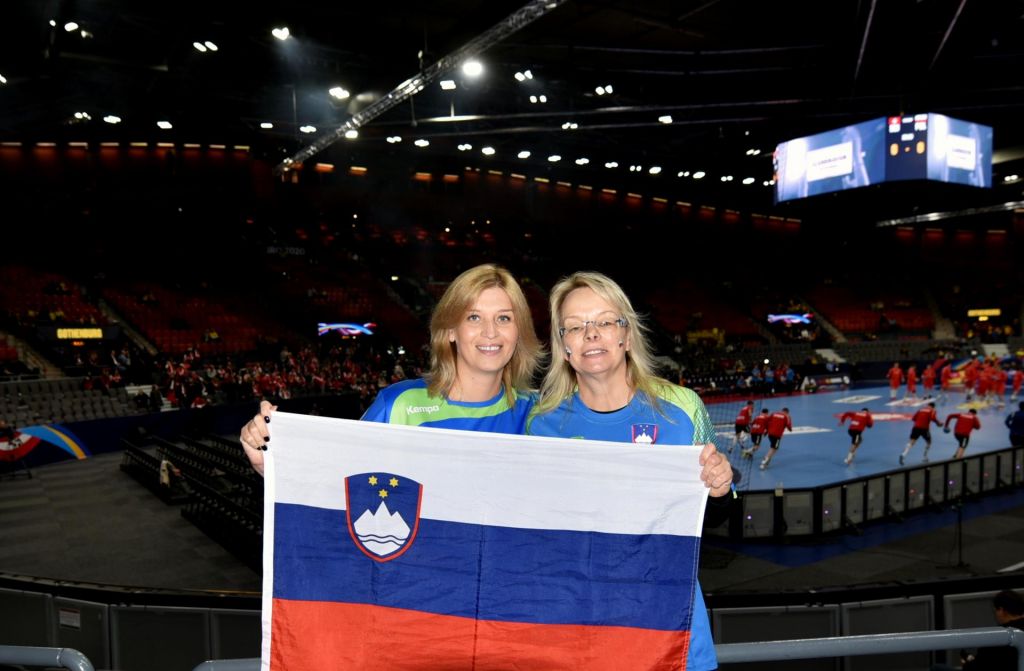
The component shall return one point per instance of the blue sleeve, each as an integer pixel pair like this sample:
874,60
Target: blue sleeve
379,410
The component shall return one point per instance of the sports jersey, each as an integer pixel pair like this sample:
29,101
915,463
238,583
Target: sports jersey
924,417
778,422
895,376
408,402
683,420
965,423
859,420
759,425
743,418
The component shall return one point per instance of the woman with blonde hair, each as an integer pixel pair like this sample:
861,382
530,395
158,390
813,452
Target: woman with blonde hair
483,352
601,385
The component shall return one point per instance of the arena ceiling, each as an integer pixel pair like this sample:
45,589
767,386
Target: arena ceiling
696,85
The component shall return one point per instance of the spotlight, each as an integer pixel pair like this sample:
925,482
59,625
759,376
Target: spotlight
307,129
165,125
112,119
281,33
351,134
338,93
266,125
667,118
70,26
447,84
472,68
487,151
523,154
554,158
422,143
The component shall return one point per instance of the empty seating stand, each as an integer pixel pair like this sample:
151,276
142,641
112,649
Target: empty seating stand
145,468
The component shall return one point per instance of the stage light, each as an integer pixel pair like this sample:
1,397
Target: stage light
655,170
465,146
70,26
748,180
394,139
281,33
422,143
210,45
667,118
3,80
266,125
112,119
520,77
582,161
448,84
611,164
307,129
523,154
699,174
472,68
338,93
554,158
165,125
200,47
351,134
487,151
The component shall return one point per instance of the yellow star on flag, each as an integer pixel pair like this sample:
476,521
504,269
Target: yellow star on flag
383,493
393,482
373,480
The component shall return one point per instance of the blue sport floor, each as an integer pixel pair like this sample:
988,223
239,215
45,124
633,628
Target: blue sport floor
812,454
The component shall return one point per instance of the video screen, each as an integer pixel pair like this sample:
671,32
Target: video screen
845,158
904,147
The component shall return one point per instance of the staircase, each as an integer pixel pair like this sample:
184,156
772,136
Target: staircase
31,358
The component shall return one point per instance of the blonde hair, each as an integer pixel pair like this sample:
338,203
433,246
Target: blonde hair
560,380
448,314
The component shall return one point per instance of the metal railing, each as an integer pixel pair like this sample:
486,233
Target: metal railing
728,653
810,648
873,644
68,658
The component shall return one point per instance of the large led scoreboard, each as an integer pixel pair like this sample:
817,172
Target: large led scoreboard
918,146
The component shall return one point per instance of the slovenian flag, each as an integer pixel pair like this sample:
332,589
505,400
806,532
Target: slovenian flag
401,548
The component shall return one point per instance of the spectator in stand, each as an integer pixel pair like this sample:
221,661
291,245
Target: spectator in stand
911,381
928,379
1018,378
1015,423
923,420
965,423
895,376
1009,612
778,423
758,427
859,421
742,425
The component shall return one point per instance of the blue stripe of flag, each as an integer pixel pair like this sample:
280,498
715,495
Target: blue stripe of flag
491,573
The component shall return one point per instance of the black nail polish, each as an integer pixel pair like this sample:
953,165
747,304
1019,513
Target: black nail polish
264,448
266,418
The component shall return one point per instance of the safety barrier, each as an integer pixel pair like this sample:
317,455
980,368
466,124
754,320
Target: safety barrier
49,657
809,648
872,644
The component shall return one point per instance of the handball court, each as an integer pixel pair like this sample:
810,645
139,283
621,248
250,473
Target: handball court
812,454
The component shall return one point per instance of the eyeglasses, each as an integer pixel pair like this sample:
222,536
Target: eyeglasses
604,325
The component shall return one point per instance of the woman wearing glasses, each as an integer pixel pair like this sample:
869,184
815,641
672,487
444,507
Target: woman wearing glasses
601,386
